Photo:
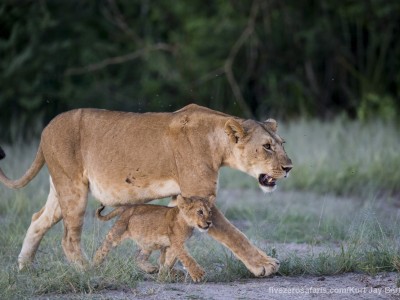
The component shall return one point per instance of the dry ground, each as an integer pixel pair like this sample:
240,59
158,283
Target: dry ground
345,286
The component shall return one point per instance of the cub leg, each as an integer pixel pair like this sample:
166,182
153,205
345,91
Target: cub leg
162,256
167,262
195,271
42,221
178,251
113,239
169,257
142,261
259,263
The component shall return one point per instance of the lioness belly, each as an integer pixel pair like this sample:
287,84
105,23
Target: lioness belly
116,194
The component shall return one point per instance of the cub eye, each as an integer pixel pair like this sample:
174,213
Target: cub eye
200,212
267,146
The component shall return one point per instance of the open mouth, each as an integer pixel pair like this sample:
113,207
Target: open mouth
266,180
205,228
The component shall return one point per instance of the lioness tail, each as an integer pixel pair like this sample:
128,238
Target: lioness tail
2,153
37,164
112,214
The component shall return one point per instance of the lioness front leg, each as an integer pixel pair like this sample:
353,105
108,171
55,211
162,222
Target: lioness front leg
259,263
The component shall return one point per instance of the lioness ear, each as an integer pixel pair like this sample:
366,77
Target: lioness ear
211,199
271,124
234,130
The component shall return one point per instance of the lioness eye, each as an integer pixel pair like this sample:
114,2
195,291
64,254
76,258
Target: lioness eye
200,212
267,146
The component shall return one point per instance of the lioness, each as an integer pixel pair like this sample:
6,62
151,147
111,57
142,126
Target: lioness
127,158
156,227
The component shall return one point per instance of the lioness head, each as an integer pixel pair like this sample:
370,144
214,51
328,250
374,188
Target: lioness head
258,150
196,211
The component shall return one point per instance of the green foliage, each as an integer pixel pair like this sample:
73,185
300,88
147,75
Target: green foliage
312,58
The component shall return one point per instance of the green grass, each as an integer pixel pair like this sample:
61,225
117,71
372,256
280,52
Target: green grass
338,207
342,234
344,157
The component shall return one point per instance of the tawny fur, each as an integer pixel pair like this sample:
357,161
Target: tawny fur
128,158
156,227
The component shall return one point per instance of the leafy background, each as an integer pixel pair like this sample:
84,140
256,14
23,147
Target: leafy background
249,58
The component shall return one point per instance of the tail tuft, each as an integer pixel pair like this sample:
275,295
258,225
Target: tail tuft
116,212
99,210
2,153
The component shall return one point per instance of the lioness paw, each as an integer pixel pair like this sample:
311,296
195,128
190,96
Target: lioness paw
24,263
264,265
272,267
197,275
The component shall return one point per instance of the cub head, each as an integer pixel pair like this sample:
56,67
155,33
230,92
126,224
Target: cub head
196,211
257,149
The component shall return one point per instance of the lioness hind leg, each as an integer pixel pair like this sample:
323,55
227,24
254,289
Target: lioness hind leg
72,197
142,261
42,221
259,263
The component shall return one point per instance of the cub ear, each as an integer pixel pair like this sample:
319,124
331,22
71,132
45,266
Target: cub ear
180,200
234,130
271,124
183,201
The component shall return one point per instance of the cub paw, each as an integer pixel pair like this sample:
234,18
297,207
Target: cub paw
147,267
170,275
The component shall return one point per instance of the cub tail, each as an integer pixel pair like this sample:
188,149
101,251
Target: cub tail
116,212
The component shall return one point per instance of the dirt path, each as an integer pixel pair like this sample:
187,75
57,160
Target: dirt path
346,286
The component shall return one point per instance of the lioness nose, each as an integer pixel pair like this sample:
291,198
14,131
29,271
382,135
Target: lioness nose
286,168
209,223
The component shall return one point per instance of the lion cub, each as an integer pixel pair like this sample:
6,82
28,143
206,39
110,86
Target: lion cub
156,227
